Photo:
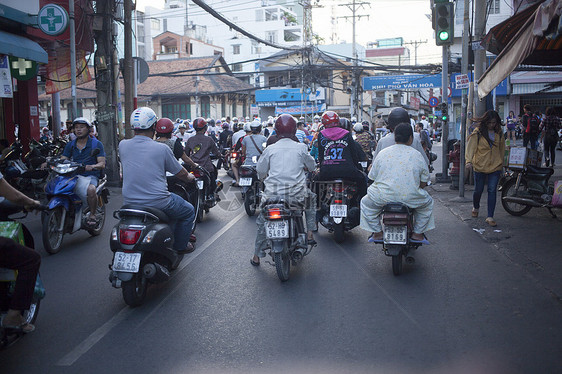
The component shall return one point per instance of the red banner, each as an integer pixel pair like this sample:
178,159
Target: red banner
58,71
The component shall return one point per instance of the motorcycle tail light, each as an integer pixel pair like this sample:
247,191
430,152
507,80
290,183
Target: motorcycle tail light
196,173
275,213
129,236
395,219
233,155
338,201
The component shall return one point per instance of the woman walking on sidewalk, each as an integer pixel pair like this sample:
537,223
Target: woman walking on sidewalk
485,151
549,130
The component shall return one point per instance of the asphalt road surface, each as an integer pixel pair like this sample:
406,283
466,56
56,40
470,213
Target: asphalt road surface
462,307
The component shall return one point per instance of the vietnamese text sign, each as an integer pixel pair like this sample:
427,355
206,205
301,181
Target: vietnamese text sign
517,157
401,82
462,81
5,78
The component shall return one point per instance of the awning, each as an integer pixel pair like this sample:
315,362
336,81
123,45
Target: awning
19,46
532,38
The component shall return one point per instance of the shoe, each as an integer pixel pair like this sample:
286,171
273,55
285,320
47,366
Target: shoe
188,249
192,238
18,326
474,212
254,263
490,221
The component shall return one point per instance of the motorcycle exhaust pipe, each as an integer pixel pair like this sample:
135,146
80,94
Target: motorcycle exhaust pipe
522,201
410,260
297,255
156,273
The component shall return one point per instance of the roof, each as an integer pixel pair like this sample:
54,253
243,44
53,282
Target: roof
161,83
318,57
384,52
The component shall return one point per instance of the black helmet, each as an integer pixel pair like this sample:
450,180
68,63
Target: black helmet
345,124
396,117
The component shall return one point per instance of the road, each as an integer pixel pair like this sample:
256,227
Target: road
464,305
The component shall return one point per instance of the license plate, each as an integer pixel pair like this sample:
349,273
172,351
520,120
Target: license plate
200,185
337,210
245,182
395,234
126,262
363,163
277,229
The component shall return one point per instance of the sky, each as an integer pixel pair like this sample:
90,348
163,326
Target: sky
387,19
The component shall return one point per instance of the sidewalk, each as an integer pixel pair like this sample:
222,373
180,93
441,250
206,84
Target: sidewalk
532,241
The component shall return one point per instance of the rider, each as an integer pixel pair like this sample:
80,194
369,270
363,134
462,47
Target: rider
200,146
399,175
283,166
182,133
145,163
80,150
224,137
339,155
164,128
25,260
253,144
364,138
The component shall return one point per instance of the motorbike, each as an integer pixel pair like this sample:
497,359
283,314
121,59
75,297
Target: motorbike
233,157
208,195
66,212
398,223
251,188
339,210
16,229
285,230
527,188
190,192
141,243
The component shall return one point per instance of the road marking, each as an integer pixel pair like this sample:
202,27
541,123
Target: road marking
97,335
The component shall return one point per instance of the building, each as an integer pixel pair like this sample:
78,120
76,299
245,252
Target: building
169,45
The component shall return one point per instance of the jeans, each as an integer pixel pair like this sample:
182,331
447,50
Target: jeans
182,215
550,150
26,261
479,180
532,138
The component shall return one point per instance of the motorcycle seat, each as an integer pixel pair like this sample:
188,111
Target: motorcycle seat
162,217
540,171
396,208
288,203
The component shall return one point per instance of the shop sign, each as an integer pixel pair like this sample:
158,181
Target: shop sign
5,78
23,69
52,19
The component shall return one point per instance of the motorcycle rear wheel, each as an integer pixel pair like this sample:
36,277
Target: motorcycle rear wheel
201,207
282,264
99,227
52,237
508,189
397,264
134,291
339,235
250,203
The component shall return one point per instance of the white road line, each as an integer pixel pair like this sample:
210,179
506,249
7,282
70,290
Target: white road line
97,335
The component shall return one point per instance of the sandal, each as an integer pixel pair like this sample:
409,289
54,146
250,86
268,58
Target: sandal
474,212
24,328
255,263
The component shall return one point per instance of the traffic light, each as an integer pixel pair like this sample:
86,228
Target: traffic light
444,112
444,22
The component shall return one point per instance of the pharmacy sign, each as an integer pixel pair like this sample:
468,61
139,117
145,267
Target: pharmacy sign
52,19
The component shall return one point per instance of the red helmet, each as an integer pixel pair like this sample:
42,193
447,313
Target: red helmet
199,123
330,119
164,126
285,126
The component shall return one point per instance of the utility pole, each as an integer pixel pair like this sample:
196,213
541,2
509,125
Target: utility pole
444,177
480,53
74,112
128,78
464,70
416,43
354,6
103,60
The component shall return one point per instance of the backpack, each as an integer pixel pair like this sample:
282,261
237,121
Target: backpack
533,124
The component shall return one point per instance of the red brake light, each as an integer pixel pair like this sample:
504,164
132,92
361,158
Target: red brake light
274,213
338,201
129,236
196,173
234,155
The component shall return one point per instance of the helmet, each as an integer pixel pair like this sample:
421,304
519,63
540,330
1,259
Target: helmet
353,119
247,127
423,117
44,129
81,120
211,122
143,118
178,120
218,122
247,119
181,126
366,125
345,124
199,123
317,117
225,125
330,119
235,120
165,126
358,127
397,116
285,126
255,126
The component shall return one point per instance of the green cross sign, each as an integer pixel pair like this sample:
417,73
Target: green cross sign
52,19
22,69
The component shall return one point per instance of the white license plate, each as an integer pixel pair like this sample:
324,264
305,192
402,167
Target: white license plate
126,262
363,163
245,182
200,185
337,210
277,229
395,234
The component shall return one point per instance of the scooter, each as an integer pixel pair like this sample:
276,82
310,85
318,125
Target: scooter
66,212
338,207
398,223
16,230
141,243
285,230
251,188
208,195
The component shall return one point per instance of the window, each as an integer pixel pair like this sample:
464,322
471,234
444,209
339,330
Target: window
205,106
276,80
236,49
271,36
233,109
189,48
165,24
236,67
223,106
244,112
256,49
177,110
155,24
259,15
494,7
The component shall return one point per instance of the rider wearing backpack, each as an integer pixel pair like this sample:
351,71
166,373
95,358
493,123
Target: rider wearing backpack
531,125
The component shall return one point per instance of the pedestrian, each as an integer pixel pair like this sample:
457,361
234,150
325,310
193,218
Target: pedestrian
485,155
549,134
530,127
511,122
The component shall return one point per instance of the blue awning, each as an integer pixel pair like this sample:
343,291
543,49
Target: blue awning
19,46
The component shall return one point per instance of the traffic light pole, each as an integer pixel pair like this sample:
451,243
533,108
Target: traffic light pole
444,177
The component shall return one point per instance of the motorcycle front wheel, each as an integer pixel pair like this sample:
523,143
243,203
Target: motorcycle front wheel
134,291
99,227
508,190
51,233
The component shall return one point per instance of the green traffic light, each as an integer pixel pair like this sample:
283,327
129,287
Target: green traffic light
444,35
444,118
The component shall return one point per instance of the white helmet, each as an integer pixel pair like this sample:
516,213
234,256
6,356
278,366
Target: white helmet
317,117
182,126
247,127
358,127
353,119
255,124
143,118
